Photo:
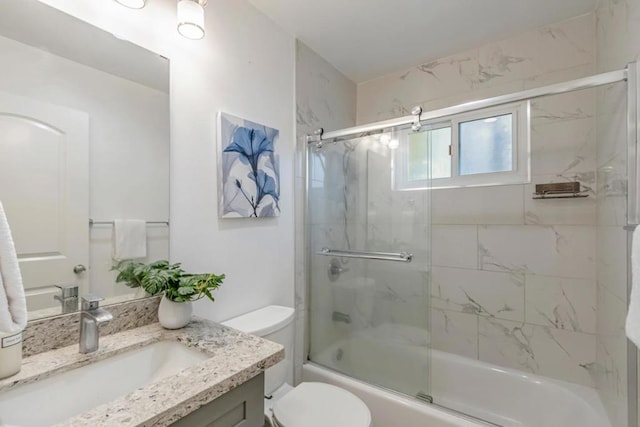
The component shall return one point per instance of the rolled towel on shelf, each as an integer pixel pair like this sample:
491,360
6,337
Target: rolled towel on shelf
129,239
13,304
632,326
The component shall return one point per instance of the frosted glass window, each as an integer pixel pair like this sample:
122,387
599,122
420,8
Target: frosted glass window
439,141
486,145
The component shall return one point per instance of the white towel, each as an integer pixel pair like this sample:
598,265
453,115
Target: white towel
129,239
13,304
633,315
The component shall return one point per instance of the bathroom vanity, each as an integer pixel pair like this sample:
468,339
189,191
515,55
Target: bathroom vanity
203,374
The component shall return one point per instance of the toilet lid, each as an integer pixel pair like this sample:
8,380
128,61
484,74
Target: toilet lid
321,405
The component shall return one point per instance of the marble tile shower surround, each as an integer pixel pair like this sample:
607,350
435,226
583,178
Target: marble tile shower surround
514,279
56,332
618,26
324,98
495,68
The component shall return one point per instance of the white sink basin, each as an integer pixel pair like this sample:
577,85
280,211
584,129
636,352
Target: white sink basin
64,395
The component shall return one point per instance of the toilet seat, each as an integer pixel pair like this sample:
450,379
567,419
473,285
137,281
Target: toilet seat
321,405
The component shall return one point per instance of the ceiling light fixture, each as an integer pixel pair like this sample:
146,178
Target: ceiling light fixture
191,18
133,4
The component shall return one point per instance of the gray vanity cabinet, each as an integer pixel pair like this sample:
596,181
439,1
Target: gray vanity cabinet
241,407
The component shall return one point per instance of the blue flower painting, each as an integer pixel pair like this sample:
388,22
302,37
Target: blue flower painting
250,173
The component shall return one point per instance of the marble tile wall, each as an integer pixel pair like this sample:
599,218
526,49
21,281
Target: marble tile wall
324,98
513,279
617,31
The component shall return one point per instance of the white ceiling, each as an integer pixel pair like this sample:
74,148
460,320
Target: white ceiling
369,38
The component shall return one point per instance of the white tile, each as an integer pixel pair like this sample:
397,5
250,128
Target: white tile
612,313
507,60
612,260
611,205
612,155
333,236
414,239
566,44
561,251
561,303
454,246
410,207
414,285
502,204
455,333
564,75
379,192
563,147
430,104
551,352
615,36
326,98
395,94
566,106
485,293
611,377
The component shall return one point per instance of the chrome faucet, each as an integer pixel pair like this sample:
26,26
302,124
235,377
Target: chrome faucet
91,317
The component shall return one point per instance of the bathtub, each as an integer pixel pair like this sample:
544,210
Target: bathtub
501,396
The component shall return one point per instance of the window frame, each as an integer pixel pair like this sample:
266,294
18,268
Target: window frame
521,151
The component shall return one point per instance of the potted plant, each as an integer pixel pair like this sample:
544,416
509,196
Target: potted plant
179,287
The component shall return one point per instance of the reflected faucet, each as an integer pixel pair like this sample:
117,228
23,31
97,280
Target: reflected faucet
68,298
91,317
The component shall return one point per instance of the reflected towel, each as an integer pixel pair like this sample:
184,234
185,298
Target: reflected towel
13,304
633,315
129,239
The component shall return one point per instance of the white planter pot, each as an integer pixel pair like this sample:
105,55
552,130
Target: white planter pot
174,315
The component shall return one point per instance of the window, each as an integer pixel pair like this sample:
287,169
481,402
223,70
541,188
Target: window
486,147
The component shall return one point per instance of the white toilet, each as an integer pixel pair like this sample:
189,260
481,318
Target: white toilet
309,404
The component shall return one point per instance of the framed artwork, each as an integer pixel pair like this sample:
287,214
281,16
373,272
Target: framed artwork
249,174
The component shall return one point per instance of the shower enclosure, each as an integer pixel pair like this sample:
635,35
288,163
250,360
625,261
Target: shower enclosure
369,265
380,298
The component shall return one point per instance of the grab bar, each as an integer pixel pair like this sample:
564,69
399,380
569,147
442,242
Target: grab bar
384,256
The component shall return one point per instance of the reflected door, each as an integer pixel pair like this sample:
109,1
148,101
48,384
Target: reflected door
44,187
368,304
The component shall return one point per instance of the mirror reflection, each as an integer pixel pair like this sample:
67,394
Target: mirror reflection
84,154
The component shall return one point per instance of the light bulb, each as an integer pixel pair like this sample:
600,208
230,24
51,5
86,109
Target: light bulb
133,4
191,19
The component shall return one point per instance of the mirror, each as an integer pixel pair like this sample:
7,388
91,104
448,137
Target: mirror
84,135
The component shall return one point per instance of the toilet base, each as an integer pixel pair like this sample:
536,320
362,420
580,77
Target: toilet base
268,403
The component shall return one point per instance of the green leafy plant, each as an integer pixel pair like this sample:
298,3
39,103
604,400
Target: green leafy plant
160,276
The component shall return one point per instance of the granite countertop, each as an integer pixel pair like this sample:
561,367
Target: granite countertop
235,358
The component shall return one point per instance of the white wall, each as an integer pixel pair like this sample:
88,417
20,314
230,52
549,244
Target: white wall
129,147
245,66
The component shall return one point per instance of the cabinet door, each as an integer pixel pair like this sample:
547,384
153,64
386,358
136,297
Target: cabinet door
241,407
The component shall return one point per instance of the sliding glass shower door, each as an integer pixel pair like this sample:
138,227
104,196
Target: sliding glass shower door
369,243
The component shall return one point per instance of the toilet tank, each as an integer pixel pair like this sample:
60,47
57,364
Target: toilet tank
274,323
